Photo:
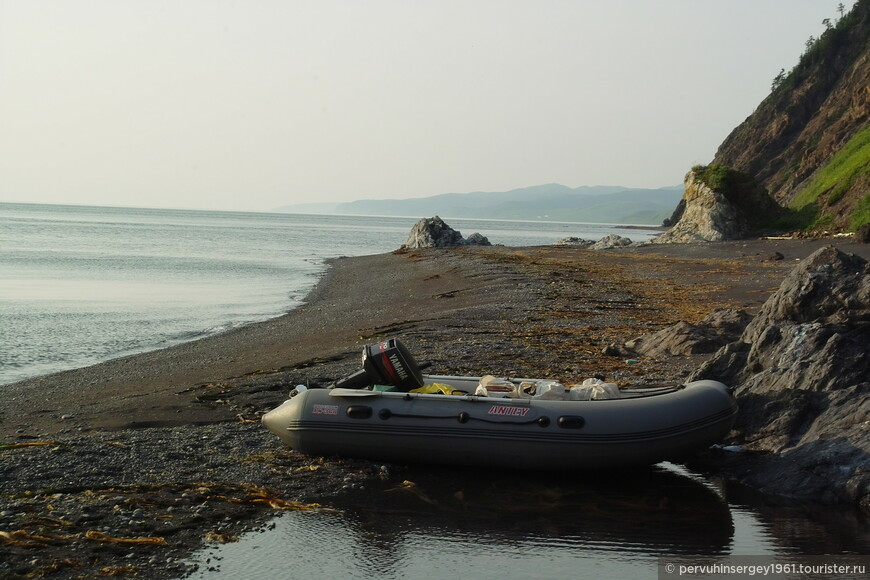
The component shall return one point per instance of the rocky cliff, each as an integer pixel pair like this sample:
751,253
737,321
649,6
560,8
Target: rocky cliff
808,142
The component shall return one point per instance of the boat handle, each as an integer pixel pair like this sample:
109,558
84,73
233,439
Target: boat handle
571,422
359,411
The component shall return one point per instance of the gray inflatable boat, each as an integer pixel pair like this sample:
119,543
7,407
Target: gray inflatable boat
639,428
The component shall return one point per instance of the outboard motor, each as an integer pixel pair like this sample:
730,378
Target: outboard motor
385,363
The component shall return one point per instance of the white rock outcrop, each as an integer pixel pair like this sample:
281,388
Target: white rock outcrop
708,217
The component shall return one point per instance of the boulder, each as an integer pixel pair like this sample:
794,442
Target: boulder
801,373
605,243
574,242
611,241
477,239
683,338
434,233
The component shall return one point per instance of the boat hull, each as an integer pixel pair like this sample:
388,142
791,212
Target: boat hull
506,433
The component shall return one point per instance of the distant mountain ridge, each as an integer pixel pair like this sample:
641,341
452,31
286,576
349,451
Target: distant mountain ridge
552,201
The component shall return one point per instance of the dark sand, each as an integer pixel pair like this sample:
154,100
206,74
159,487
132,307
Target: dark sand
166,444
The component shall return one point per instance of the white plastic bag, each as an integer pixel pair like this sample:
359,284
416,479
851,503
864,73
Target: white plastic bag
594,390
580,393
501,387
527,389
606,391
550,390
491,386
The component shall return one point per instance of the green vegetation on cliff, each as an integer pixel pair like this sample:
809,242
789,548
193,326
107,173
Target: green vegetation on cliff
743,191
721,178
839,175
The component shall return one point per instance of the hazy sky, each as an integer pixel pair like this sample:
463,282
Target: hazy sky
253,104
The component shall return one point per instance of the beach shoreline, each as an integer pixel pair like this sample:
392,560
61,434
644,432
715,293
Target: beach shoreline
180,423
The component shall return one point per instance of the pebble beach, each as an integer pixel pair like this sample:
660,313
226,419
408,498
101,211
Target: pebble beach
127,467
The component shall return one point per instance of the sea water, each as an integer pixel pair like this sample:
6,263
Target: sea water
80,285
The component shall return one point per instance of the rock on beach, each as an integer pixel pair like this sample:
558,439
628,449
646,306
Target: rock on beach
435,233
801,371
684,338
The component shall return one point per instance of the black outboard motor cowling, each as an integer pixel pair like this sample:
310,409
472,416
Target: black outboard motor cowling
385,363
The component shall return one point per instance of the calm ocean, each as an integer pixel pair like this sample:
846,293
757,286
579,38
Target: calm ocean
80,285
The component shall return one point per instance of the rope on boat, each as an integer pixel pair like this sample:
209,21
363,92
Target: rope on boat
463,417
649,392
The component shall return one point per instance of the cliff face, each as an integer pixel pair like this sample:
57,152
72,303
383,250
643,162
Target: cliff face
808,142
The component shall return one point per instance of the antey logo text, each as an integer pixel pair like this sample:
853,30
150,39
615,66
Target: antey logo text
512,411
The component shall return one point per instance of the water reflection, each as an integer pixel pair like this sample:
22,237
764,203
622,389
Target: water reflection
798,528
657,511
439,523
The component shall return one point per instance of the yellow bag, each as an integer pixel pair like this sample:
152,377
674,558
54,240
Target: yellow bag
436,388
